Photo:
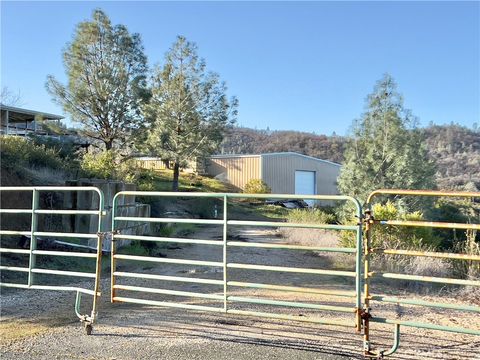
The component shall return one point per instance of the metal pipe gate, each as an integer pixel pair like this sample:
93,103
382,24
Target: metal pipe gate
370,224
362,313
222,294
30,265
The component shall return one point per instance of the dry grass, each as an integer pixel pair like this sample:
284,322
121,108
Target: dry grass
320,238
16,330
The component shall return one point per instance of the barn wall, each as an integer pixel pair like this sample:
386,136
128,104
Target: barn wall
238,171
278,171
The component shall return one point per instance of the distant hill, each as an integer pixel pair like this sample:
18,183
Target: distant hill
456,149
250,141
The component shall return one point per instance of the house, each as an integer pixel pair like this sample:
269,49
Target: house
284,173
22,122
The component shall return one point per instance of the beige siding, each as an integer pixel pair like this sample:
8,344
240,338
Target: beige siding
238,171
278,171
151,164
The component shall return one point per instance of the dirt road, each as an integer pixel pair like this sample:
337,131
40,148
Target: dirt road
42,325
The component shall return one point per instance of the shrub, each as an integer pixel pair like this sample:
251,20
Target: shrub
17,151
101,165
398,236
310,216
65,149
257,186
393,237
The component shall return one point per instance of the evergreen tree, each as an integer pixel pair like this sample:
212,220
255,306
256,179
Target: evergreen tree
106,69
386,150
189,112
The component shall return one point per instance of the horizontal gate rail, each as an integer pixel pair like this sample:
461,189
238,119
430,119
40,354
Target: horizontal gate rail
168,261
167,278
170,240
227,244
293,289
291,247
394,300
371,222
292,318
35,235
292,269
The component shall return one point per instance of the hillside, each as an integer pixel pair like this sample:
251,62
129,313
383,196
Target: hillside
250,141
455,148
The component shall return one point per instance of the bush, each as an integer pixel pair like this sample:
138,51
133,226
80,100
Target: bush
257,186
310,216
395,237
17,151
65,149
101,165
400,236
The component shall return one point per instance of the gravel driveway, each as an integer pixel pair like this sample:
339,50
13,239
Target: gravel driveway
42,324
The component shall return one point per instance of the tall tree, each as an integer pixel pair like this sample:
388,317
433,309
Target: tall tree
386,150
106,69
189,111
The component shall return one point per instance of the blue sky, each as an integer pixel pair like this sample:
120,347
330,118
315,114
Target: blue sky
304,66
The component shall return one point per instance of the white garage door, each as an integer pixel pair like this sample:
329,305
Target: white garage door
305,184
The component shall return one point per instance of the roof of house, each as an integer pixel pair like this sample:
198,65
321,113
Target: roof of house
16,114
226,156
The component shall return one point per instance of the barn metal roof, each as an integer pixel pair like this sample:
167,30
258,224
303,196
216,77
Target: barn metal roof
226,156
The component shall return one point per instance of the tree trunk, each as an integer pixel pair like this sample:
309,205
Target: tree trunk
108,144
176,173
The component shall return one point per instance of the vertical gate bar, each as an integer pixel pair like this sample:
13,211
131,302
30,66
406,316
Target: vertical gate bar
358,270
78,300
112,251
97,276
98,264
225,222
33,240
366,325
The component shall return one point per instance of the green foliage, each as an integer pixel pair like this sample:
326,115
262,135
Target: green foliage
100,165
257,186
188,111
310,216
393,237
17,151
65,149
106,68
386,150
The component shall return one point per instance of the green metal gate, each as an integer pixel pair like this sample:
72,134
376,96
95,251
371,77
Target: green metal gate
28,265
225,245
371,222
360,314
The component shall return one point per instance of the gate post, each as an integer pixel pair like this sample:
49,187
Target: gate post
366,310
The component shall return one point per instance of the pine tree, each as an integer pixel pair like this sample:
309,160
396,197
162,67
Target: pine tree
386,150
189,111
106,69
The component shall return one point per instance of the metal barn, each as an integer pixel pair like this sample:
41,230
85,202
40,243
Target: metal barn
284,173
